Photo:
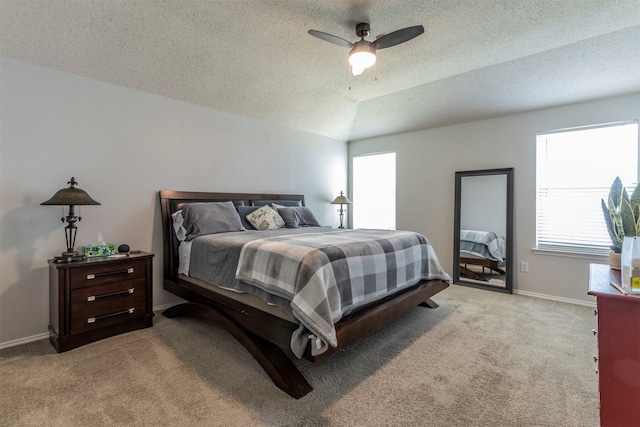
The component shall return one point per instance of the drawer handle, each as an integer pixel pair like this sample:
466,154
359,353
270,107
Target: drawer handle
105,316
95,297
109,273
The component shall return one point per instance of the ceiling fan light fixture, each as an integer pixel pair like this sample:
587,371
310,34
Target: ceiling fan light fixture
361,56
363,53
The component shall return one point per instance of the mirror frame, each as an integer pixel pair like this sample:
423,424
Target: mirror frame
508,172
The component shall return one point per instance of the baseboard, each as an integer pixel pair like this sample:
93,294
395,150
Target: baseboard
555,298
163,307
24,340
45,335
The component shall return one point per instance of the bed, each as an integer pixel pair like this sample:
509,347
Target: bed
267,327
483,248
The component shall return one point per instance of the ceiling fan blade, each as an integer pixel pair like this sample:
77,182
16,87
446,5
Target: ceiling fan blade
331,38
399,36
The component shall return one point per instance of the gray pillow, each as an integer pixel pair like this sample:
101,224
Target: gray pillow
299,216
279,202
243,211
210,218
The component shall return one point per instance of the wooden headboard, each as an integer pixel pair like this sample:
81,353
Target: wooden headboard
171,201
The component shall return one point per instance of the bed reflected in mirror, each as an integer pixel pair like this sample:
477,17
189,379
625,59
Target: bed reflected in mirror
483,229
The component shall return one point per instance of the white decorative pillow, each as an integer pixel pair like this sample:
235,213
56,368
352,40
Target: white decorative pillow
178,225
265,218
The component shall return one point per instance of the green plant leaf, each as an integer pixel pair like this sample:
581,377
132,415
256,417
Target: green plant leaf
608,222
635,202
628,219
615,193
621,212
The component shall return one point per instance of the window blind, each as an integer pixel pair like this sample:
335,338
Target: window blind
574,171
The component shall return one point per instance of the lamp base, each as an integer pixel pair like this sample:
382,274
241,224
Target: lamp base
69,257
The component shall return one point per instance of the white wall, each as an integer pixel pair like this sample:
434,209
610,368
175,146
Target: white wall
123,146
427,161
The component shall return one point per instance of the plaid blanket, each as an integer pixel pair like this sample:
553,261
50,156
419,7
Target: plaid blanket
485,244
327,275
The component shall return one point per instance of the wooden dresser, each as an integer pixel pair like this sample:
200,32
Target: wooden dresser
618,359
98,298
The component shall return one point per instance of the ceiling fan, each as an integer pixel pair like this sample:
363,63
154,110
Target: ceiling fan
363,53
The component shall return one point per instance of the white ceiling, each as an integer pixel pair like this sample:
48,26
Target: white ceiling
477,58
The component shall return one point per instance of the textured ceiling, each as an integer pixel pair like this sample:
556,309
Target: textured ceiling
477,58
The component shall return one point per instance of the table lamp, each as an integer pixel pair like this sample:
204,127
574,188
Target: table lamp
71,196
341,200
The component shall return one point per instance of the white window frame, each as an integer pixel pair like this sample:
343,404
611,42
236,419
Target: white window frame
591,238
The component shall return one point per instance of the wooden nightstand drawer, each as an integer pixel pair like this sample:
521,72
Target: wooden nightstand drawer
106,315
110,296
102,273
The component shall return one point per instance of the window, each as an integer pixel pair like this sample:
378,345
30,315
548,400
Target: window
374,191
575,169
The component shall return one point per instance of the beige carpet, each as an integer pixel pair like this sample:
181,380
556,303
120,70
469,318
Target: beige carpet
481,359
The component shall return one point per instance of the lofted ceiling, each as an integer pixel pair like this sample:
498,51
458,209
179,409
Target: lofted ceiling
477,58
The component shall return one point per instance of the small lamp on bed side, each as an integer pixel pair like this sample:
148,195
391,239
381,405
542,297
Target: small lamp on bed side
341,200
70,196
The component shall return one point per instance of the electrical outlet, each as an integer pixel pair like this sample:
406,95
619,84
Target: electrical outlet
524,266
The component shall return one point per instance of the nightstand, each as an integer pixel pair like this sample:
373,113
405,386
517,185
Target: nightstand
99,297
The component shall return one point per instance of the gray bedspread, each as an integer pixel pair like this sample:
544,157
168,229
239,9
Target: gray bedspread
317,275
483,244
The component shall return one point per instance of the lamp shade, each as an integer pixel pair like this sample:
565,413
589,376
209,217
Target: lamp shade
341,200
70,196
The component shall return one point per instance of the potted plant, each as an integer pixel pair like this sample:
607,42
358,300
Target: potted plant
622,216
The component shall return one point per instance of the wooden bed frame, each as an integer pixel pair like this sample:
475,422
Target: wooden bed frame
483,262
266,336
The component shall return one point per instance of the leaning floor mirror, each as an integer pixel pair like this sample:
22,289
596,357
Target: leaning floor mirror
483,229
